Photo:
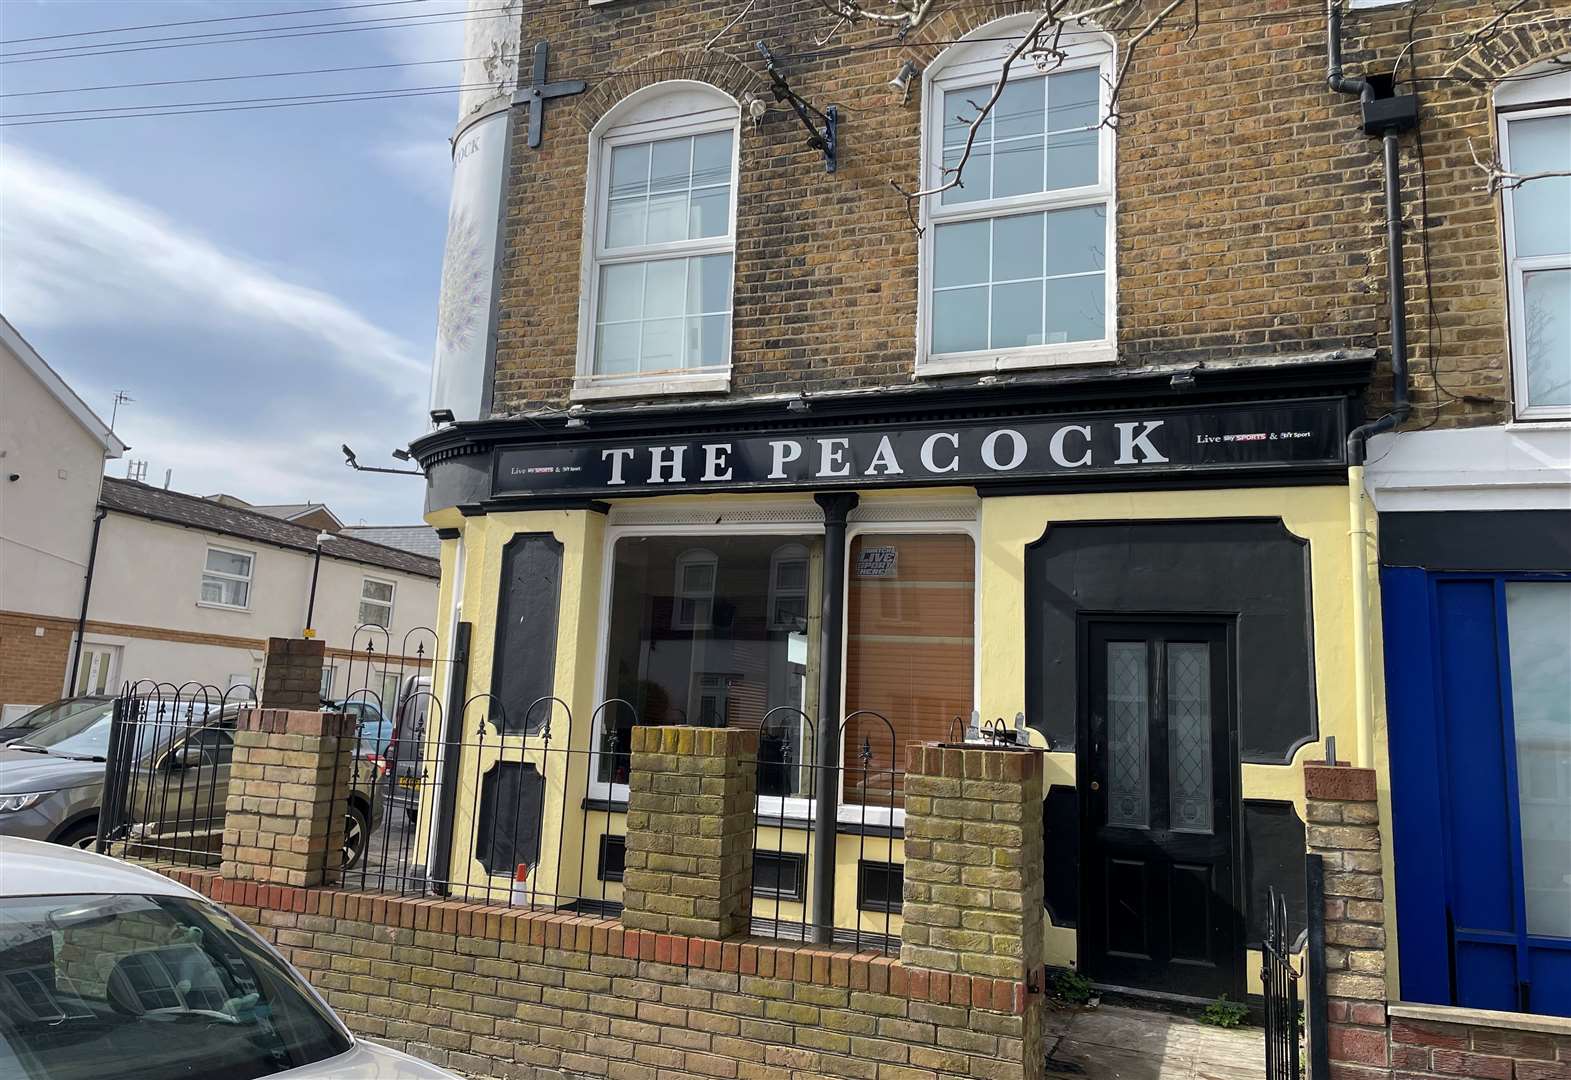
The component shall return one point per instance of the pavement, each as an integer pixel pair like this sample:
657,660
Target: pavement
1115,1042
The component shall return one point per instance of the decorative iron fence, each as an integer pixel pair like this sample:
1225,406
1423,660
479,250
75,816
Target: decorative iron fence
167,751
809,797
522,828
1279,988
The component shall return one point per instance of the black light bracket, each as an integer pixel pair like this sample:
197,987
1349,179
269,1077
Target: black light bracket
823,128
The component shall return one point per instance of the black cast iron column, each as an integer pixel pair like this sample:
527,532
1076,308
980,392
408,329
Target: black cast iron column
831,638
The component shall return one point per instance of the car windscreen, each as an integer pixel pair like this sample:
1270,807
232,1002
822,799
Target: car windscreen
148,987
83,734
48,714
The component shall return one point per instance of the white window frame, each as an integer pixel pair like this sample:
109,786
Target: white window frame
967,64
666,110
364,600
870,525
957,516
680,592
1526,99
788,530
249,578
786,553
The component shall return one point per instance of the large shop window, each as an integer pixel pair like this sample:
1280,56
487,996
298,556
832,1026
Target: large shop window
662,244
1017,264
1535,139
714,631
910,652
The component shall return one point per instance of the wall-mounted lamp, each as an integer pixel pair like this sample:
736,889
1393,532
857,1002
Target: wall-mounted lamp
797,404
401,455
902,80
575,423
442,416
1184,380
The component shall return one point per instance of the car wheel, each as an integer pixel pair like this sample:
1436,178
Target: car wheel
83,835
357,836
410,815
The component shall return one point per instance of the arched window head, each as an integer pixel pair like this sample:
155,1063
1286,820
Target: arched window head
1534,120
660,237
1017,259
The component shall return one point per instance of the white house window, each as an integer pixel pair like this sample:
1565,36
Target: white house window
1535,137
376,603
694,606
226,578
788,589
663,234
1017,261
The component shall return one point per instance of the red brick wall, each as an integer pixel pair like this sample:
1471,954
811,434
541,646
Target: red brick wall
33,668
1426,1049
1250,215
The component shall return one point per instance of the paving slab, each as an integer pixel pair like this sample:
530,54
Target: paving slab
1115,1042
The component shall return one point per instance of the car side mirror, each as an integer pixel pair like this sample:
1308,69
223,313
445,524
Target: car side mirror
187,757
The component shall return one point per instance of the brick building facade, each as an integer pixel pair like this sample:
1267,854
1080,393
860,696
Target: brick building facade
869,478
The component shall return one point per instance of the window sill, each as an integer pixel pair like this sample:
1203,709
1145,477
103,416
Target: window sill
602,388
1025,360
223,607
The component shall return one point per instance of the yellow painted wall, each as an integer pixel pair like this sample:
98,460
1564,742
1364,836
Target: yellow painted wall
1317,514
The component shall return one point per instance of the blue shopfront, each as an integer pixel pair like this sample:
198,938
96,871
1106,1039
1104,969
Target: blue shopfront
1477,613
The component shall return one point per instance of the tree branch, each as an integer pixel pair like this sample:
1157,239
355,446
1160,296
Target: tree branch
1498,178
1042,41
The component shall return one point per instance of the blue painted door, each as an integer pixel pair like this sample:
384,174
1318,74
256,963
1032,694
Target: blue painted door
1479,693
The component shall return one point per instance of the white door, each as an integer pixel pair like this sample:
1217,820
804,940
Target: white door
98,670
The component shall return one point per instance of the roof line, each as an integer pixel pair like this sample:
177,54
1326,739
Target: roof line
80,411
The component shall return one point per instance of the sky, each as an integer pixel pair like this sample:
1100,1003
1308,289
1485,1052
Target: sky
262,283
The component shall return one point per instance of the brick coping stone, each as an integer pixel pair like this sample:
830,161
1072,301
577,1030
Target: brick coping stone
838,966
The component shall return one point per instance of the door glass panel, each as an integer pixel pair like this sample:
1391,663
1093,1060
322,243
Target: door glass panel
1538,621
1128,734
1189,736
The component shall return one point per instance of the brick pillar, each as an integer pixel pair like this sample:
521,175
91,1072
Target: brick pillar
288,789
292,674
691,795
973,869
1344,828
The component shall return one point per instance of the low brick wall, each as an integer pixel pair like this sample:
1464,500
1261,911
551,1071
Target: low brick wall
1506,1048
499,992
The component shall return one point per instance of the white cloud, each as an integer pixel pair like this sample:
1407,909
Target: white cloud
77,254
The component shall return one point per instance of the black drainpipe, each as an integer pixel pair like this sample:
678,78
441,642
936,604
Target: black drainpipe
87,590
1386,115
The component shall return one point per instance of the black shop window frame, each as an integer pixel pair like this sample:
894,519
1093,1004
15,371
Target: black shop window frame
789,875
880,886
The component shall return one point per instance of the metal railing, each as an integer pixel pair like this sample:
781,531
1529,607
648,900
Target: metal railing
861,788
166,762
1279,988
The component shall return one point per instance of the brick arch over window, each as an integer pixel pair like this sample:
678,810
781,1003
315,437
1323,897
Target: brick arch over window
1514,47
670,65
935,33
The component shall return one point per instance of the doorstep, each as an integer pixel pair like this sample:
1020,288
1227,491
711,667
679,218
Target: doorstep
1115,1042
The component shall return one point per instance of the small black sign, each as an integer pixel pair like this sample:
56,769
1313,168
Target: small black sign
1287,436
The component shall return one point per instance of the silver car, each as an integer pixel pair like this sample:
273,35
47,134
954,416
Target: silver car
107,969
52,782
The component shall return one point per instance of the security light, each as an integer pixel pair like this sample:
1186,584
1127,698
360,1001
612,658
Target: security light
401,455
442,416
902,80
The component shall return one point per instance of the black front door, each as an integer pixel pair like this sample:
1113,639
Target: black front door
1159,896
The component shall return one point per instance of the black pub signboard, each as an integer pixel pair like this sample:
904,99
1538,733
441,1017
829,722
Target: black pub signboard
1274,436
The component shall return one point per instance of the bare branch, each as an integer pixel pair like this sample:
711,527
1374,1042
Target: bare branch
1498,178
907,15
1043,42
